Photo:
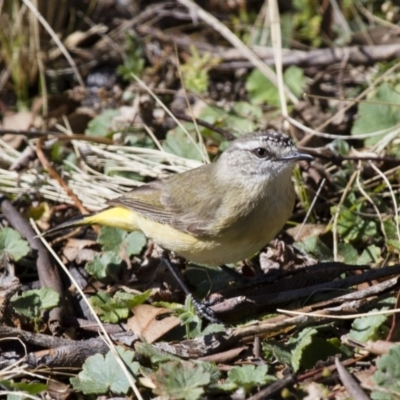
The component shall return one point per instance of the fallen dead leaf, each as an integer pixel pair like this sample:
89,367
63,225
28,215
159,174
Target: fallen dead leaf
144,322
225,356
78,250
16,121
306,231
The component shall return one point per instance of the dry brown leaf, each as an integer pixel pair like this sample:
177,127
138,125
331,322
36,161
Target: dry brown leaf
21,120
78,250
58,390
16,121
144,322
380,347
225,356
306,231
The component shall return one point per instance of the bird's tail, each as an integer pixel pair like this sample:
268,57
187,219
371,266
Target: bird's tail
79,220
116,217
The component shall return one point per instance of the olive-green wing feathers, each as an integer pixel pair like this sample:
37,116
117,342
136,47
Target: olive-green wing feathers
188,202
145,200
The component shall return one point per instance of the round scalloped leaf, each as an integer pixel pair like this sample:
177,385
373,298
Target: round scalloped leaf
12,243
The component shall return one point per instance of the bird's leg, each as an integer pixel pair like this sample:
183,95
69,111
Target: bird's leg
200,307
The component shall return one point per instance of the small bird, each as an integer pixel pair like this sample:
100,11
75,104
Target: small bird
215,214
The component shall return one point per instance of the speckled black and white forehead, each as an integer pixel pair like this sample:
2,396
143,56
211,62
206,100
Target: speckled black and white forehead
275,137
269,137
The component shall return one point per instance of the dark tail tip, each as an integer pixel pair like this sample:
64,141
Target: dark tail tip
79,220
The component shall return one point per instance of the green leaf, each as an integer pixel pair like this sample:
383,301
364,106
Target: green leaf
13,244
134,61
392,242
155,355
341,348
295,80
57,152
316,247
261,90
353,227
195,70
374,117
30,388
118,307
139,139
135,241
213,328
388,375
390,229
70,160
308,348
102,265
102,125
240,116
190,318
112,239
395,244
340,146
274,350
309,354
368,328
212,369
102,374
243,116
303,340
306,23
249,376
131,300
181,380
241,124
369,255
178,143
347,253
247,110
32,302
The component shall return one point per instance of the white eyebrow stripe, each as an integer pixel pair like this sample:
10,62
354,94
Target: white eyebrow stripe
261,143
249,145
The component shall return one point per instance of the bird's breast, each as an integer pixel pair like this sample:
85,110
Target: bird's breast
259,227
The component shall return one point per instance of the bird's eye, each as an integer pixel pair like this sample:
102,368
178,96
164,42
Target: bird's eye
260,152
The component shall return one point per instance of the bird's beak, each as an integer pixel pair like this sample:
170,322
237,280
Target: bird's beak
296,156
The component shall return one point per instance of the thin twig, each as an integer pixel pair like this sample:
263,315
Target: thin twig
277,47
52,172
337,213
395,206
227,135
321,185
366,195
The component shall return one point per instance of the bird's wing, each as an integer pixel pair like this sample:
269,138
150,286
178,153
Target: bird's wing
145,200
190,202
